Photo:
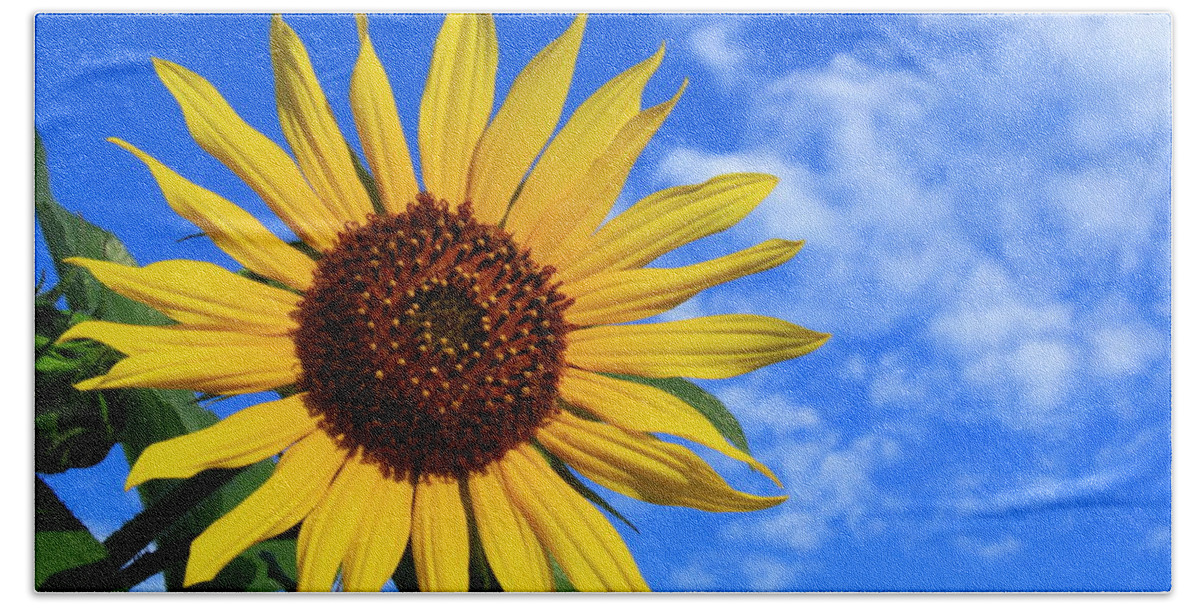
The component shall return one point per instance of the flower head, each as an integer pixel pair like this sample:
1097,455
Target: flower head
442,345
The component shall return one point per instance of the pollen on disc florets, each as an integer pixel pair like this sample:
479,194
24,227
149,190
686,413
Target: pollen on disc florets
430,341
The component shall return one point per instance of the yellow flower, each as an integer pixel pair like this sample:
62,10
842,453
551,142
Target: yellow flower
443,340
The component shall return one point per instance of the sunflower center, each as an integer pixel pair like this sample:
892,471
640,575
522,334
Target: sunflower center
430,341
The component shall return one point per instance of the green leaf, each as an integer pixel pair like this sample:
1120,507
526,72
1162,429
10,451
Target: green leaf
405,576
48,321
155,415
77,432
60,542
254,276
69,235
280,556
702,401
368,182
561,582
480,576
306,249
72,428
268,566
152,415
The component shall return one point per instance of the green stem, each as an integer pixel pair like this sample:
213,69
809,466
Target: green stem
133,537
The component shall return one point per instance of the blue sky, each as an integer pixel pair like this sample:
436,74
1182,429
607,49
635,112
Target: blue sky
986,205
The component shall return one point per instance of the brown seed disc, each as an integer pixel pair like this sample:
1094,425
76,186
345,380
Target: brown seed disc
430,341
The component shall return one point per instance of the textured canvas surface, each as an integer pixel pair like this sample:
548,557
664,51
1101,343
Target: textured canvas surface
985,205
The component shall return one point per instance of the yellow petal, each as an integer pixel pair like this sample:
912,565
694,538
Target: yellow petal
234,230
512,550
576,213
260,162
588,548
218,362
217,370
381,538
638,465
630,295
457,102
379,127
200,295
311,130
665,220
720,346
441,547
248,436
639,407
522,126
297,485
585,137
327,532
142,339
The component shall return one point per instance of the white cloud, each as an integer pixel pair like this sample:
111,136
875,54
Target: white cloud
985,202
1158,538
1102,480
964,199
1046,492
1108,210
828,478
1122,350
854,369
990,310
768,574
693,577
894,382
689,309
716,46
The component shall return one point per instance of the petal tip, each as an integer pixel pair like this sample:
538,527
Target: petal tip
767,502
90,384
281,36
132,482
71,334
141,471
767,472
575,30
168,69
130,148
679,93
360,21
195,573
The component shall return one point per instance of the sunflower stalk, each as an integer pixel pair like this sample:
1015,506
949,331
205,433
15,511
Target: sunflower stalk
147,564
111,573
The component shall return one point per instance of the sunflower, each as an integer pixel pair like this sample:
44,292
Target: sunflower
438,346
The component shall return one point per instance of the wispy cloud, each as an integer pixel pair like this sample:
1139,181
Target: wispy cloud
965,193
828,475
986,206
718,46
